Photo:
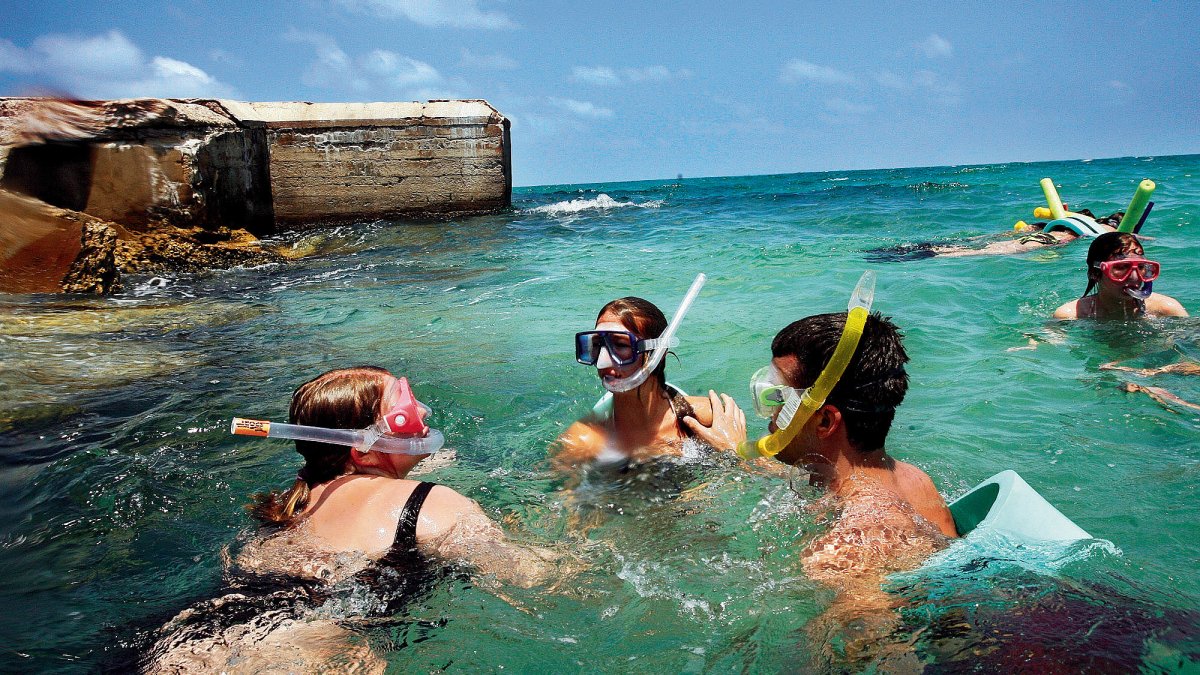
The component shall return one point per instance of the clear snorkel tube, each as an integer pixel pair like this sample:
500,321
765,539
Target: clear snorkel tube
797,409
662,343
372,438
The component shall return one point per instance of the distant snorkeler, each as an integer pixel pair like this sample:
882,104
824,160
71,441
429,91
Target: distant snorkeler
1123,279
351,516
643,416
1033,237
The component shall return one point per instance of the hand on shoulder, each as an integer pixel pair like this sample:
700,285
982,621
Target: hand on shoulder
728,423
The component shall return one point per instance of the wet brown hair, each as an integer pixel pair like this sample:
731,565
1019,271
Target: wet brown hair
346,398
642,318
1106,246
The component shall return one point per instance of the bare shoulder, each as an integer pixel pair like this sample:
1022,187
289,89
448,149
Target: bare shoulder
875,534
580,444
444,509
1164,305
920,491
1069,310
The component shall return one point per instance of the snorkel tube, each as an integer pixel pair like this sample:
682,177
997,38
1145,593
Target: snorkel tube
662,344
797,411
366,440
1137,211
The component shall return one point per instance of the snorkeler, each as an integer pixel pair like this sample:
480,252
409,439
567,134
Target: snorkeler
350,516
355,504
831,392
643,416
1123,278
1031,237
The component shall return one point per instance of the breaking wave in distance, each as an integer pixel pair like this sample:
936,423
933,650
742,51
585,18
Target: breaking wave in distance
601,201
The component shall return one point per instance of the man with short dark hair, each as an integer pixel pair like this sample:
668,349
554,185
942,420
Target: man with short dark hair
890,514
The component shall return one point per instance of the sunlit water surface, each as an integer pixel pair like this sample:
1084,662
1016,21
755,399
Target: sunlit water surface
120,486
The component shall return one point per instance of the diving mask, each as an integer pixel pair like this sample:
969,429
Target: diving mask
623,347
399,430
798,405
771,396
661,344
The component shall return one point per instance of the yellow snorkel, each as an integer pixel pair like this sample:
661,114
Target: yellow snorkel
801,408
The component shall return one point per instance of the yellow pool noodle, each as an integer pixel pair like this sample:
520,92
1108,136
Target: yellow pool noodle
1052,200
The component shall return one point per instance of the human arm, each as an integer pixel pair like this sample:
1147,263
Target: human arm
454,527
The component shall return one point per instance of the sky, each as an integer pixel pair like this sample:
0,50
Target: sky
614,91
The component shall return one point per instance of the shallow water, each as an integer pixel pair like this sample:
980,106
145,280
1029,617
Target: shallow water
121,485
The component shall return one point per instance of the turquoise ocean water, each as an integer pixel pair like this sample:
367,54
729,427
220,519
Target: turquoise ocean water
120,486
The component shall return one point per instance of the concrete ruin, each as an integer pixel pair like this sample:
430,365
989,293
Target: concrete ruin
354,161
185,168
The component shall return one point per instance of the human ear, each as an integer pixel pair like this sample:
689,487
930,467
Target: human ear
828,418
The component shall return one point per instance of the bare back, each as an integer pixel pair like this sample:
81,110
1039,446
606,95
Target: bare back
351,522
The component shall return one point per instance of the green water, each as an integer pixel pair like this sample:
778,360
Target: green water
121,486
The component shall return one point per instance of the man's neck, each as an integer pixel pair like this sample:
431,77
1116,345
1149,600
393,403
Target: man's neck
838,461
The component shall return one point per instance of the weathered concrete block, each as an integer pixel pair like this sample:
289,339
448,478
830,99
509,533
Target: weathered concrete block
350,161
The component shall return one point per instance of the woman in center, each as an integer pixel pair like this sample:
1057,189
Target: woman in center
631,423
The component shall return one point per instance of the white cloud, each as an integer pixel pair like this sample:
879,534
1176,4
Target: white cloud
601,75
108,66
1118,85
495,61
647,74
581,108
935,46
378,70
891,80
606,76
433,13
844,107
798,70
925,82
13,59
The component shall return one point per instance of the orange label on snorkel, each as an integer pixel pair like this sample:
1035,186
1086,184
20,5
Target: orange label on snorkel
244,427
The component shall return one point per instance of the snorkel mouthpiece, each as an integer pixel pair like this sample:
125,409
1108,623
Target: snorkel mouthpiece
1142,292
661,344
797,411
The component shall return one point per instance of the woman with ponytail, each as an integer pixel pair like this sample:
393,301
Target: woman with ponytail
348,508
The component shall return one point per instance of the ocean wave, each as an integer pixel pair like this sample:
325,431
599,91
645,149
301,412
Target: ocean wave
601,201
930,186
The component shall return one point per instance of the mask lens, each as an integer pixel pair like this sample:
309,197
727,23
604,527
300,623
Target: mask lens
587,348
1119,270
1148,270
766,392
621,348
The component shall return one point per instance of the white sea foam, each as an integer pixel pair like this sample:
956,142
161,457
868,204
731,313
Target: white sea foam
602,201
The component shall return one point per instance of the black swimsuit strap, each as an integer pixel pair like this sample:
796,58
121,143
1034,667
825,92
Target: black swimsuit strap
406,527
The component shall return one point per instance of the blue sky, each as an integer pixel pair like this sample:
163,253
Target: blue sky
608,91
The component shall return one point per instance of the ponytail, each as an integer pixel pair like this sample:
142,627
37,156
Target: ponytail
347,398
